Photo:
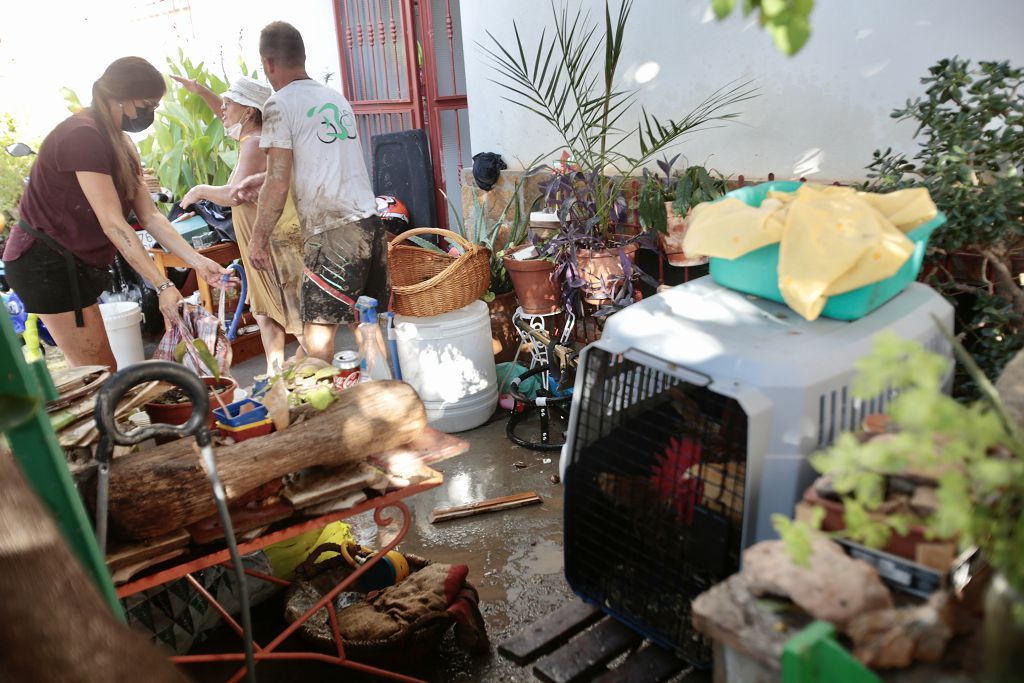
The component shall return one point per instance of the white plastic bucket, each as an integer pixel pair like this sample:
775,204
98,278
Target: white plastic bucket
448,359
123,321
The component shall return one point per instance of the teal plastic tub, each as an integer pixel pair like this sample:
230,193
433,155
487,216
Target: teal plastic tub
758,271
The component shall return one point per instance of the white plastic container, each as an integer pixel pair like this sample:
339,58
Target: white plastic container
123,321
448,359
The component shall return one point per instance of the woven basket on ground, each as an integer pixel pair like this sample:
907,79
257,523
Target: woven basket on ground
426,283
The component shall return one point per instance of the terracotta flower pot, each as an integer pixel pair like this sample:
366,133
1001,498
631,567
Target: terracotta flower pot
672,243
534,283
602,272
504,339
177,413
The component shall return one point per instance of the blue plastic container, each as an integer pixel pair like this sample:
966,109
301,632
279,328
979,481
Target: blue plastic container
758,271
235,418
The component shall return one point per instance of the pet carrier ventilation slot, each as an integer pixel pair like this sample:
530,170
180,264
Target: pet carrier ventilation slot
691,422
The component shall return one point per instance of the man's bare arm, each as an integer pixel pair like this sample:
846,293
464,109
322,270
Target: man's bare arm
271,203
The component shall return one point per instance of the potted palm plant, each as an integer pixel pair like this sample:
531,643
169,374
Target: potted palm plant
564,81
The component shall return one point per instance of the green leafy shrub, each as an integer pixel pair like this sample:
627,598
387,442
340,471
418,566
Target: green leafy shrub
187,146
970,130
13,172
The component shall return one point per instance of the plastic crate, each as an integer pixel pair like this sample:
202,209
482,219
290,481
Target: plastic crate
247,431
234,417
758,271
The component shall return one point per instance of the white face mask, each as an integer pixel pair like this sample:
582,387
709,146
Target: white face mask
234,131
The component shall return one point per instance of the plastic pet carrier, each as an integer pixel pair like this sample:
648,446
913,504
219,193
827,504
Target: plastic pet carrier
691,421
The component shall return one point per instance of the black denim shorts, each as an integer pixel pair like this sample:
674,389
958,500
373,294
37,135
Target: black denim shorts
40,278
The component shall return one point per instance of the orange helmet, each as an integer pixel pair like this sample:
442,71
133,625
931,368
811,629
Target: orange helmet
392,209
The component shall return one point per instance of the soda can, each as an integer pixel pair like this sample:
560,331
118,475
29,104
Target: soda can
347,362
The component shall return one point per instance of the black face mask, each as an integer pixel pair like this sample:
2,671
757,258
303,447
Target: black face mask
143,120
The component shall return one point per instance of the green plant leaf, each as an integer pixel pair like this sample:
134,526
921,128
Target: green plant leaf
723,8
208,358
791,36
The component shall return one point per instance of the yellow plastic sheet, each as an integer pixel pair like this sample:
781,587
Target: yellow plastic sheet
831,239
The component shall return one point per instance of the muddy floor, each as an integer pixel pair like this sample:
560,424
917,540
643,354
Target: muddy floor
514,557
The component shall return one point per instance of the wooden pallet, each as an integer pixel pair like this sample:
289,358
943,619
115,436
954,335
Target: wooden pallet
577,643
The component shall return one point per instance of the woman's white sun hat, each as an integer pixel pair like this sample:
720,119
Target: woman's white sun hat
248,92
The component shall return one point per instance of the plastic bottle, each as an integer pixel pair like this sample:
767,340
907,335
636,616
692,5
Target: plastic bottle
374,363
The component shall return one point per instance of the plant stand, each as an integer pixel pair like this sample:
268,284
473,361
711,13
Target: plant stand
548,404
540,322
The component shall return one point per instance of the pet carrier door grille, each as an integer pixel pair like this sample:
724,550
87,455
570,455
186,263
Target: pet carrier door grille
654,496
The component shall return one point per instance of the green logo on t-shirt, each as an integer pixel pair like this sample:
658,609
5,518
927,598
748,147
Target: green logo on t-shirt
335,124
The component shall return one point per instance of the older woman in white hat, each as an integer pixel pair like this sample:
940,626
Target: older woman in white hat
273,295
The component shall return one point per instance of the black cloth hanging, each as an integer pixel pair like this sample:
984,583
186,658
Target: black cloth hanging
486,167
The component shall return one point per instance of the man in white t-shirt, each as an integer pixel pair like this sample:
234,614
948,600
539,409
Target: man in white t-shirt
310,135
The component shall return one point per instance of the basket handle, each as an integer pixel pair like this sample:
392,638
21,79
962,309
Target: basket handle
447,234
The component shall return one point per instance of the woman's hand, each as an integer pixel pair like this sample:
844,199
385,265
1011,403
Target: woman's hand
188,83
169,299
192,196
214,274
248,189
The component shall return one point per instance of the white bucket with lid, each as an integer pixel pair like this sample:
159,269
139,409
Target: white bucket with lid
123,320
449,360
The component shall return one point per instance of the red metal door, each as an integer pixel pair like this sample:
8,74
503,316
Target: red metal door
400,71
447,116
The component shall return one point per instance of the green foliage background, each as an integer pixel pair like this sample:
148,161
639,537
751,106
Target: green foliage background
188,146
13,171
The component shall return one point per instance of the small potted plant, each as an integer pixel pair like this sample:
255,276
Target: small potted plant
173,407
665,203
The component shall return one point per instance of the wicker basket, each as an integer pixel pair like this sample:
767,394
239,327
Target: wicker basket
425,283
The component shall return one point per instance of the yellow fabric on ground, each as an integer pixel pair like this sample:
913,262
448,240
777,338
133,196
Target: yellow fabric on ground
287,555
275,294
831,239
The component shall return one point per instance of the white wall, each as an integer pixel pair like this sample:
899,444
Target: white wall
821,113
47,44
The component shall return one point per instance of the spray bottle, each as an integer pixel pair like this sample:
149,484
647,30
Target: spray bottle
374,363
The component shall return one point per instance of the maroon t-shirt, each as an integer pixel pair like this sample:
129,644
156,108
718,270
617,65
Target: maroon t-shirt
54,203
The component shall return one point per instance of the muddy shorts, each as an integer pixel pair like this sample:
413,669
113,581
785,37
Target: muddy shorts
341,265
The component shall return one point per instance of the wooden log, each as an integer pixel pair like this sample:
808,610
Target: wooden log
490,505
163,489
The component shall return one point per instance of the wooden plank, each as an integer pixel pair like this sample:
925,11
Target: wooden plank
490,505
649,665
547,634
587,654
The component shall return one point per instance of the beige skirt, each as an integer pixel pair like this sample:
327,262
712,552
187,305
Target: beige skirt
273,293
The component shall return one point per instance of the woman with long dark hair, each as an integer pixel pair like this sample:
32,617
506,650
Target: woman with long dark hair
85,180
